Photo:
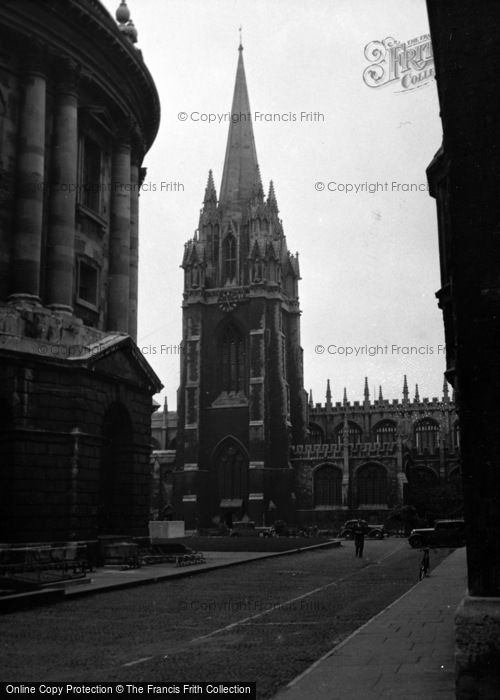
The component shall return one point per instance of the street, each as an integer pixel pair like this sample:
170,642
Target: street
265,621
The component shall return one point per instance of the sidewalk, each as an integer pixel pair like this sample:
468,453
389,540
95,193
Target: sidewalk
406,652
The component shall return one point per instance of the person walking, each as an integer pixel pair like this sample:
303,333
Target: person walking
359,539
425,564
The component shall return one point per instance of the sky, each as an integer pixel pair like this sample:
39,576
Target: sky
369,257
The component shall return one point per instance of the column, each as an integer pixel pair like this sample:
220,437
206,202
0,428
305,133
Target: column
134,247
25,280
61,233
119,239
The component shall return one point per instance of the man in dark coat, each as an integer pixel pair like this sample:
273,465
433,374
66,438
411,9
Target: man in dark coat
359,538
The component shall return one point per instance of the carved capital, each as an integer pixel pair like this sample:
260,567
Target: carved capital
67,74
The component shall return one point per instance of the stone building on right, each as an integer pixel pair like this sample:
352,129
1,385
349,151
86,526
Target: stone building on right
464,178
364,458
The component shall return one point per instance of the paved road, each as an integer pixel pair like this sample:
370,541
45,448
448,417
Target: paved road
265,621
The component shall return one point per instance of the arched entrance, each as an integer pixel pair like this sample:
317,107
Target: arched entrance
116,472
231,468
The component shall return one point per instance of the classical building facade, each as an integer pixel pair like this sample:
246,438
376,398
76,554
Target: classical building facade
363,458
241,397
78,112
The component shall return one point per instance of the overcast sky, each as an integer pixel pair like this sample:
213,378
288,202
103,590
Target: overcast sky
369,261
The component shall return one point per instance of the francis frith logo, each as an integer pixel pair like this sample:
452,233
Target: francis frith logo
408,65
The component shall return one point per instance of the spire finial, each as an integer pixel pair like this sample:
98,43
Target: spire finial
380,397
210,192
240,47
417,395
311,404
328,393
366,391
271,198
405,389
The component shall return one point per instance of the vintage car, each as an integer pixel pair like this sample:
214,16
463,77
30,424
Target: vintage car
249,529
347,530
445,533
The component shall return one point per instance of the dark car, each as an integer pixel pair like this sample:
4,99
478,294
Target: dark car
248,529
445,533
347,530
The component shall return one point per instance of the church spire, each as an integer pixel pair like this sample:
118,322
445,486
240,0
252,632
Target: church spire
366,392
240,163
417,395
272,202
405,390
210,192
380,397
328,394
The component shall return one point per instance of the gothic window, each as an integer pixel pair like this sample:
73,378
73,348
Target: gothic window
354,434
229,258
426,435
232,471
327,486
372,485
232,360
385,432
316,436
195,276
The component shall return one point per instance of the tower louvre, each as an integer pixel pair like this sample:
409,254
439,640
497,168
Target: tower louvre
241,398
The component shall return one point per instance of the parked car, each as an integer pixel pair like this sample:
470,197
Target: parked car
376,531
445,533
249,529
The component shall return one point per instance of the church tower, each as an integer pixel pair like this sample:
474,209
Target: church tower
241,397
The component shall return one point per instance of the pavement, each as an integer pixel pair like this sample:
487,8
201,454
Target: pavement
404,652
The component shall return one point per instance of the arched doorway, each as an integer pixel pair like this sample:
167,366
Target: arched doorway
231,468
116,472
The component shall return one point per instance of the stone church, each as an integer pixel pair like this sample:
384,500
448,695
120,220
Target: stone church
78,112
246,442
241,397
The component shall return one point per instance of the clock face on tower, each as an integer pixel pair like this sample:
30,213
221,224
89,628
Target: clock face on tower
228,300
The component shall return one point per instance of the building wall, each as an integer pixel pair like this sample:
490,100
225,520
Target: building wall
384,453
78,112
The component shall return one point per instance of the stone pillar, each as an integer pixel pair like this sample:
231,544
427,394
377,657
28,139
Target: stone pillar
61,233
119,239
25,280
134,247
